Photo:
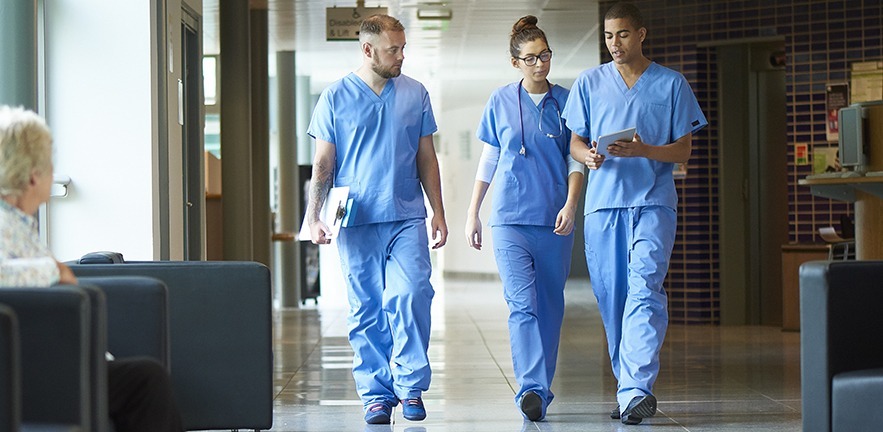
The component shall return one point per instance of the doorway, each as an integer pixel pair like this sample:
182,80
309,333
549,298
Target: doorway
190,97
752,153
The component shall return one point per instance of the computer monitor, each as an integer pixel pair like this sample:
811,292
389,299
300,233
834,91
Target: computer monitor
851,137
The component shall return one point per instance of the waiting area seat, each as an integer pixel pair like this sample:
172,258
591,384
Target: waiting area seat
209,323
10,387
54,327
56,365
220,338
841,359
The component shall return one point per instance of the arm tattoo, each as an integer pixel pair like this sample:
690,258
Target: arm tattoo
319,186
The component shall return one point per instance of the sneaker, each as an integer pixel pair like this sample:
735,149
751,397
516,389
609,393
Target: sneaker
532,406
639,408
413,409
615,413
378,413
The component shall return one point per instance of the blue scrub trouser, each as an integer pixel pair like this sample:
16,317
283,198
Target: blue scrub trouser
627,252
387,269
533,263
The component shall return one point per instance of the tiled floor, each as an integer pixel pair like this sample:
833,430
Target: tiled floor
712,378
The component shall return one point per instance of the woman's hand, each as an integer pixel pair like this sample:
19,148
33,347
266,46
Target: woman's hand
565,221
473,232
65,274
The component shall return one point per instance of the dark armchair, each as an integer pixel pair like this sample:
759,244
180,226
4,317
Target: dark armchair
841,313
56,348
62,335
220,330
10,387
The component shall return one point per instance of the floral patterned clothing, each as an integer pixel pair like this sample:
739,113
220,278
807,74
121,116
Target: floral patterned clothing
24,261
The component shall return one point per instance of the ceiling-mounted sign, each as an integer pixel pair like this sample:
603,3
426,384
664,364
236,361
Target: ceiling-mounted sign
342,24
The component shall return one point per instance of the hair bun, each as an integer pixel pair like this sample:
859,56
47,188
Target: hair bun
525,23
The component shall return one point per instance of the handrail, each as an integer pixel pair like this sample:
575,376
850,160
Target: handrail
63,182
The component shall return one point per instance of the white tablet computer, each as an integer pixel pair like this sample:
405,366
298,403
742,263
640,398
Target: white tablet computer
606,140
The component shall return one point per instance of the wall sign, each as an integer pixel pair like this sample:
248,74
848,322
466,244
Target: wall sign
342,23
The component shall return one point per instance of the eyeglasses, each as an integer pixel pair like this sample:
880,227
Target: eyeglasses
531,60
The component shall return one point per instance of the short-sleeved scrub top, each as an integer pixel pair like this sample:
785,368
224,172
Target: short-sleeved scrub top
662,107
376,140
529,189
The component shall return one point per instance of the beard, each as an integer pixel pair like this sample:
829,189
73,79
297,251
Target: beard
384,72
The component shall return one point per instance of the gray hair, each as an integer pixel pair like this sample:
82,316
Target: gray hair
25,147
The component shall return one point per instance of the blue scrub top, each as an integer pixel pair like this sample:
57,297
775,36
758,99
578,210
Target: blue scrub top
376,140
530,189
662,107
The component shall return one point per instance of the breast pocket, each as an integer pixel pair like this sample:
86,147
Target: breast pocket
655,125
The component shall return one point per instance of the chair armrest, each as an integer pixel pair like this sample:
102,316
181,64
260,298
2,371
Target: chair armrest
55,339
10,385
137,316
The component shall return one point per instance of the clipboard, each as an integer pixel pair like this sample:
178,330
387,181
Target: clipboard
336,213
606,140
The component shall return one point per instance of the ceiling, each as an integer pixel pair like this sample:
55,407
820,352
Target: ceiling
473,44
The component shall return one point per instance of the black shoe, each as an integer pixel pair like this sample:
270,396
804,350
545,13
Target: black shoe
639,408
532,406
615,413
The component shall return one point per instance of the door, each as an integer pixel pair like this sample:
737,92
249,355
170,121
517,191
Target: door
190,96
753,209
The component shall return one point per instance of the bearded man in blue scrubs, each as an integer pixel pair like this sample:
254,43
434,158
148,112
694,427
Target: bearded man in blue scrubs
630,198
373,132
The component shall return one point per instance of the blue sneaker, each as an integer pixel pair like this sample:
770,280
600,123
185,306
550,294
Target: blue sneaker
413,409
378,413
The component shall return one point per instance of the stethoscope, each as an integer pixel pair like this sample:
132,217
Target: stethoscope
546,100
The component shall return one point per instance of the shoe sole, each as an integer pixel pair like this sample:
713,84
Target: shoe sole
532,406
646,407
379,419
417,417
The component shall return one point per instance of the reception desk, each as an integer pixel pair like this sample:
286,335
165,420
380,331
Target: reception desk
866,191
867,194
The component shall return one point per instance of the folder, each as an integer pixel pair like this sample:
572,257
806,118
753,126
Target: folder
337,211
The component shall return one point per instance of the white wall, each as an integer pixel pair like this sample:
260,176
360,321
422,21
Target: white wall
462,105
99,107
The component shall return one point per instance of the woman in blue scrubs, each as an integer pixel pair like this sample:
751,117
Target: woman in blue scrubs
527,152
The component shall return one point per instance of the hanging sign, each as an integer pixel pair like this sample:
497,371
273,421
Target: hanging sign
342,24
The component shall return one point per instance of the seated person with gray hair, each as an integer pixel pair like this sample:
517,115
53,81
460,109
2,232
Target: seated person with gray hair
139,390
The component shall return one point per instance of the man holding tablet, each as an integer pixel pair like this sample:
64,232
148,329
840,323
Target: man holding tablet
605,142
631,199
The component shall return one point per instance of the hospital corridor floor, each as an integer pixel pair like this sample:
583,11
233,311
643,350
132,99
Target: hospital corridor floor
712,378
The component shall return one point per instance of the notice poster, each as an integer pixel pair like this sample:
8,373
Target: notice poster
801,154
837,97
824,160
